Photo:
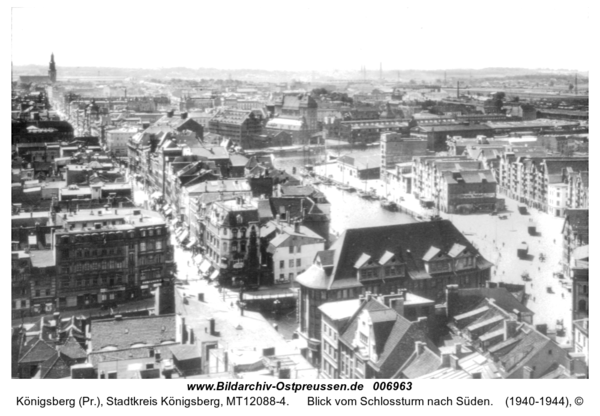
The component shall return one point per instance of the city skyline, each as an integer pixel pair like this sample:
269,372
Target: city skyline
318,37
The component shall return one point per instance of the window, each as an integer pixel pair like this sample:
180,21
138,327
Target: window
298,249
291,249
282,264
142,246
298,262
291,263
291,277
282,277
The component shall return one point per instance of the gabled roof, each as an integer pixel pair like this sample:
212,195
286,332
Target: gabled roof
39,352
419,365
72,349
408,242
55,367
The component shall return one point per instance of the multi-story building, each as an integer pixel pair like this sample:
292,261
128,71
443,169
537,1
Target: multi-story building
196,197
20,280
575,234
397,149
105,256
490,329
578,190
292,249
540,181
422,257
368,337
232,241
117,140
580,277
369,131
428,170
236,125
467,191
299,105
581,337
296,127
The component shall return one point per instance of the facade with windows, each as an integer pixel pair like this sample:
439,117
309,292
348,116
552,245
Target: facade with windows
421,257
231,238
20,276
293,250
105,257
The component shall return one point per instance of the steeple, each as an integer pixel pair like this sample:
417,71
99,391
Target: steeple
52,69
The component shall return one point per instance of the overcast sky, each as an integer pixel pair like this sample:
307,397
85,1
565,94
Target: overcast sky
306,35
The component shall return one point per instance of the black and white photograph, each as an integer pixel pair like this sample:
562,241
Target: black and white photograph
252,192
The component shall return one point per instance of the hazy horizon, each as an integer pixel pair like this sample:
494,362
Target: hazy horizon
308,36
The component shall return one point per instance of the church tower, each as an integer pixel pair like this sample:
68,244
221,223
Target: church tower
52,69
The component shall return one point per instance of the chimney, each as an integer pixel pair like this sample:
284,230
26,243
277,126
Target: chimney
454,362
287,217
398,305
367,296
212,326
517,314
184,115
297,227
451,300
362,300
476,375
419,348
510,328
118,317
527,372
446,359
200,297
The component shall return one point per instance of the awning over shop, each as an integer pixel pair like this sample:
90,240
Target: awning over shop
191,243
214,275
204,266
184,235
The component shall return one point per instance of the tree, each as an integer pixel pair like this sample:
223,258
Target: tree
500,95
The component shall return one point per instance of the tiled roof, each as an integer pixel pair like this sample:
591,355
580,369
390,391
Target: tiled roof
408,242
416,366
55,367
124,333
40,351
72,349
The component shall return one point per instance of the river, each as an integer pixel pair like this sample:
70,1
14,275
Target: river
348,210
